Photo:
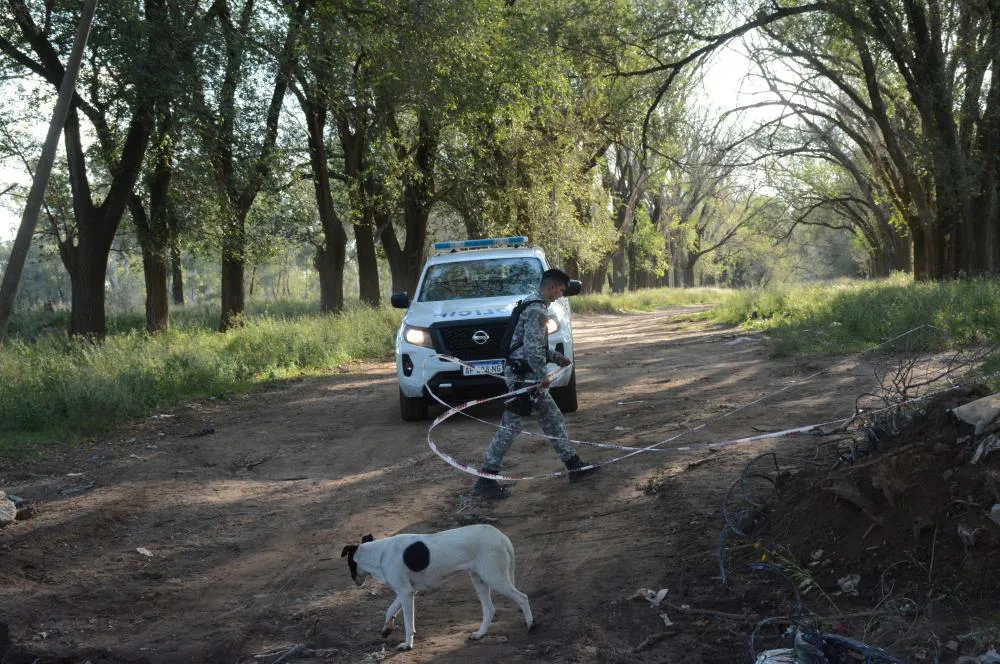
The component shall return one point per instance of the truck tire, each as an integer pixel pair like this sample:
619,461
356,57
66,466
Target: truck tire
412,410
565,397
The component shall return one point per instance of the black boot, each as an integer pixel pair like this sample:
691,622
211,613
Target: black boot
574,464
488,488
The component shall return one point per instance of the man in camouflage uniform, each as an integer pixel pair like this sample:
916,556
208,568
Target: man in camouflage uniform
529,352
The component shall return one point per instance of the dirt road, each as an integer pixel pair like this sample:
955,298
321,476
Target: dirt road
245,524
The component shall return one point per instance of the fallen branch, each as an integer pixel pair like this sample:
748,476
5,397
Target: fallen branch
707,612
651,640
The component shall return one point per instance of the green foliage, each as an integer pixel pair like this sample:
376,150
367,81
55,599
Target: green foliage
58,390
649,299
847,316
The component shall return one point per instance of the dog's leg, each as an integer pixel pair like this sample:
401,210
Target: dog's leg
483,591
500,581
390,616
408,601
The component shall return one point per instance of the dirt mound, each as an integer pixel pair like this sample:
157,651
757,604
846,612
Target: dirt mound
900,539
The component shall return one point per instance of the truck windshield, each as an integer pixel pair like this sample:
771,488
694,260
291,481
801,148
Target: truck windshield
489,277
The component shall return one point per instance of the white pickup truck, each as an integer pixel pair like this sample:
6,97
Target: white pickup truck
464,299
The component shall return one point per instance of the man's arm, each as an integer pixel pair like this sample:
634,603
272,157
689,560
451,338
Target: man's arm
535,347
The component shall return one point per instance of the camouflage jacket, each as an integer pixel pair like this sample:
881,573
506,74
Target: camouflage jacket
531,338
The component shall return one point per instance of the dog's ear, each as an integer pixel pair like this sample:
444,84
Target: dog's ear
367,538
350,548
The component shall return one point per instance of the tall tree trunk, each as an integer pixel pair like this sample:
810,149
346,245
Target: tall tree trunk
353,141
332,255
154,268
87,264
393,254
418,196
233,294
177,273
87,260
689,275
329,263
619,274
153,241
368,279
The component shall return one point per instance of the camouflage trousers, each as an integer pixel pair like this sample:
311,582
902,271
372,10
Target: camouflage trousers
551,420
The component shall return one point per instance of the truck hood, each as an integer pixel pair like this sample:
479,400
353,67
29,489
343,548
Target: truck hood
426,313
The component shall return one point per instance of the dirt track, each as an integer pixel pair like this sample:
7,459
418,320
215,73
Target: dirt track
245,525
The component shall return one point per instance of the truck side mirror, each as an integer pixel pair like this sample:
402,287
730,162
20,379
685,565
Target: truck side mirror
573,288
400,300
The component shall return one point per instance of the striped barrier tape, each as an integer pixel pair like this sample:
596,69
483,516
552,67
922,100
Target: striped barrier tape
451,411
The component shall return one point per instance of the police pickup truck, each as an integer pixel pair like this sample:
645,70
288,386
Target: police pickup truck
463,301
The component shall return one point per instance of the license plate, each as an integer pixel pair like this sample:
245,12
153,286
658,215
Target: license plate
494,367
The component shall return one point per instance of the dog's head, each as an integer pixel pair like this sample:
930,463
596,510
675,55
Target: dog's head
359,575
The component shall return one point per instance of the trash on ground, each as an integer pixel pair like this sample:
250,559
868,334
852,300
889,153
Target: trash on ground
654,597
987,445
968,535
8,511
991,656
740,340
995,514
849,583
144,551
979,413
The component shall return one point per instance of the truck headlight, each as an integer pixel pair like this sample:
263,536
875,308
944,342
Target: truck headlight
552,326
418,336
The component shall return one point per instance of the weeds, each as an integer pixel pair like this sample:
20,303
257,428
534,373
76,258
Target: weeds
648,299
55,389
848,316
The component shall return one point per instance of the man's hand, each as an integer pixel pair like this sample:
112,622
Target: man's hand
565,362
543,384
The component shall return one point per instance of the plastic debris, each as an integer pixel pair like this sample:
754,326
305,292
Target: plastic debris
666,620
987,445
740,340
991,656
652,596
980,412
968,535
849,583
995,514
144,551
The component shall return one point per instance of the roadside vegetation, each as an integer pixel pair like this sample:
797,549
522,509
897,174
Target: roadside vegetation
850,315
55,390
648,299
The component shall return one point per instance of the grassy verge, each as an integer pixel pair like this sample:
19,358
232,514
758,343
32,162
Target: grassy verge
853,315
648,299
55,390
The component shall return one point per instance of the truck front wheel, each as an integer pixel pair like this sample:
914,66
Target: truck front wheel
565,397
412,410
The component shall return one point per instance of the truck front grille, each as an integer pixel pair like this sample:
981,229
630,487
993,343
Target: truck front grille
457,339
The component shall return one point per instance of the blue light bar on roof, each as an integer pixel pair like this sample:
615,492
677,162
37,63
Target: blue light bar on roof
486,243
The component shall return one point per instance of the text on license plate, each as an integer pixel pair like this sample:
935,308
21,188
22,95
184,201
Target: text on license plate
478,367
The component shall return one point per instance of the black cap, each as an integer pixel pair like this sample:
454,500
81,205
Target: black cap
555,275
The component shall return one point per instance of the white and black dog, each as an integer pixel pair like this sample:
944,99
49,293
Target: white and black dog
409,563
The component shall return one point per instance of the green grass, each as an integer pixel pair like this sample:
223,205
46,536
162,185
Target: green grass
849,316
648,299
57,390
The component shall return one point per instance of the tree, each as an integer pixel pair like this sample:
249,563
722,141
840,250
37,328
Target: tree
241,163
127,54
